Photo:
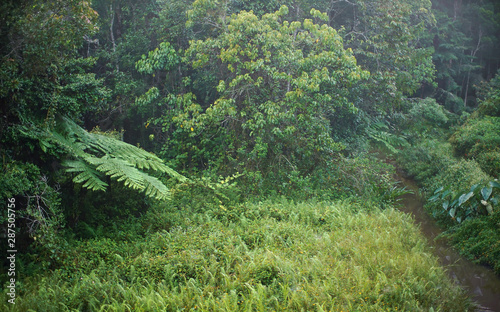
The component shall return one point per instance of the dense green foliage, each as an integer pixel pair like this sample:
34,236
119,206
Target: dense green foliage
464,38
463,191
478,239
260,257
477,202
478,138
119,160
385,37
107,105
276,85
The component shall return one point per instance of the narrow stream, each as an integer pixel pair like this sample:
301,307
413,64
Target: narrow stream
482,284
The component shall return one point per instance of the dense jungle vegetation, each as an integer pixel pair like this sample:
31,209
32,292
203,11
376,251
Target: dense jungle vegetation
227,155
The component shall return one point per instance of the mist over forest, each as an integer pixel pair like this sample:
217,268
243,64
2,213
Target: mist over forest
228,155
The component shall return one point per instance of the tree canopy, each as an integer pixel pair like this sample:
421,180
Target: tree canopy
277,83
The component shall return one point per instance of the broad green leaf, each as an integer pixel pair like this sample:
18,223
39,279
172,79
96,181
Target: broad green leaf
434,197
446,205
489,208
494,200
439,190
452,212
486,192
474,187
494,184
464,198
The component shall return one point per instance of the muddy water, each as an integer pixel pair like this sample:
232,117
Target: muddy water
482,284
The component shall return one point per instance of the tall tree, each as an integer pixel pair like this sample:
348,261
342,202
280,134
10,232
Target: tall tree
41,76
275,86
40,63
386,37
465,39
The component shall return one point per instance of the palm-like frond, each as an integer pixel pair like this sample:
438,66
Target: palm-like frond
135,156
154,188
87,175
69,144
120,170
97,154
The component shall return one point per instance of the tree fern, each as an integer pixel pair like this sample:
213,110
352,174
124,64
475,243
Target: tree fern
134,156
87,175
95,155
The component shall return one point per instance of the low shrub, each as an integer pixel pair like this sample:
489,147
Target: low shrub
482,199
431,163
479,139
479,240
369,181
489,93
459,175
428,111
202,193
459,188
426,160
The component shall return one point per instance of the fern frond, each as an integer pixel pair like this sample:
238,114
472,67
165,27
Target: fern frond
156,189
73,132
131,177
120,170
87,175
379,132
156,166
121,149
97,153
137,157
69,144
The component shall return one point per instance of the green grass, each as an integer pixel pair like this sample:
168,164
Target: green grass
266,256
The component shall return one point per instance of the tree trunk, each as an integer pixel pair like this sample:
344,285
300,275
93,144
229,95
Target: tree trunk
112,34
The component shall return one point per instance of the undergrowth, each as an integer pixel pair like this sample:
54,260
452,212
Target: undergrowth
479,240
272,255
